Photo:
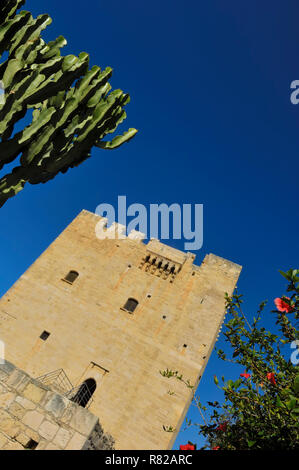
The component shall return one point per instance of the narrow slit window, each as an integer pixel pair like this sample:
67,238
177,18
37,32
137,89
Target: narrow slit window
131,305
45,335
71,277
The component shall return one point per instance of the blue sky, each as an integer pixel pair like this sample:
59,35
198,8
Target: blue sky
210,95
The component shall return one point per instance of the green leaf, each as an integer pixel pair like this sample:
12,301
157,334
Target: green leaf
286,275
230,384
251,443
296,384
291,404
278,402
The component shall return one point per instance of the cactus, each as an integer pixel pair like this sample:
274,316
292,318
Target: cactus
73,107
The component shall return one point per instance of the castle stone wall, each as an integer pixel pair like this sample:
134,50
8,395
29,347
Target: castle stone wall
175,325
31,412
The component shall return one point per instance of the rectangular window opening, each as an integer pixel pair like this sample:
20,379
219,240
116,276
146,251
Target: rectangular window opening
45,335
31,445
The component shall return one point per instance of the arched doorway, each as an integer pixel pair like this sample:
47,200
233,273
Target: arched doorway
85,392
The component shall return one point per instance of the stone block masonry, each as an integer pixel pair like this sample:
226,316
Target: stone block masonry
33,417
113,313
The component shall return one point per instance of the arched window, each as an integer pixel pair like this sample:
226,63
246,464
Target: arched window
85,392
71,276
131,305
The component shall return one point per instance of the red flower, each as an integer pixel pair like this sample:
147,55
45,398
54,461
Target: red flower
222,427
216,448
187,447
282,306
245,375
271,378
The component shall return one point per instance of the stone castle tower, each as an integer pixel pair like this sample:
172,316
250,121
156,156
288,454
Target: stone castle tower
104,317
